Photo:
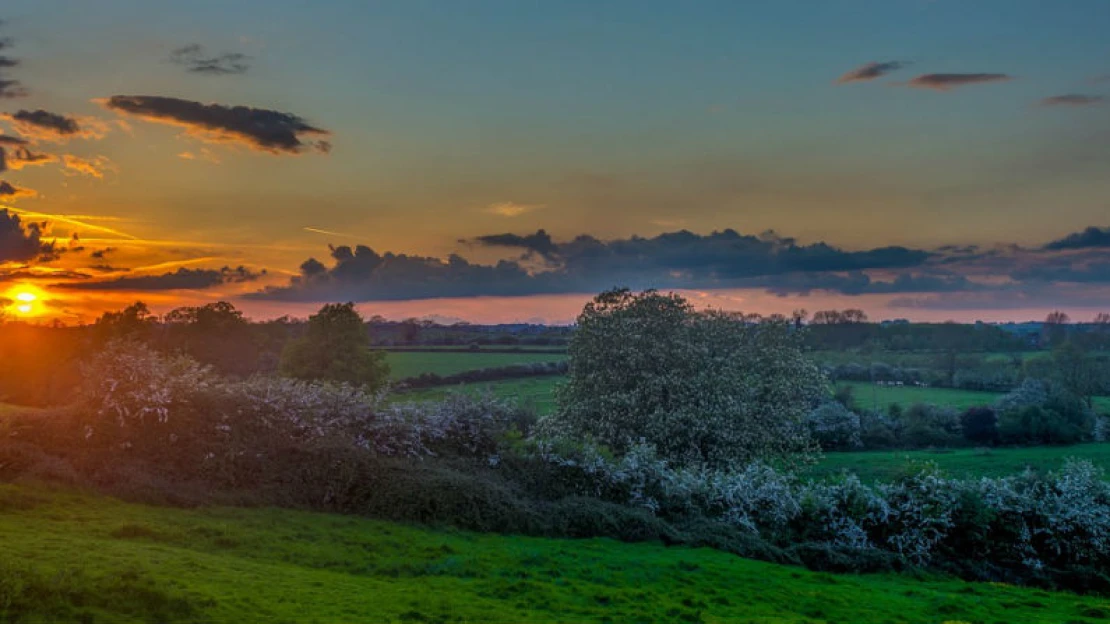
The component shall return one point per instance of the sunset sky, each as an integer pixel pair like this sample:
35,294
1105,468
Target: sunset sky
501,161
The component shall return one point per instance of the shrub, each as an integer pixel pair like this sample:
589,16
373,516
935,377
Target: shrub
834,426
980,425
930,425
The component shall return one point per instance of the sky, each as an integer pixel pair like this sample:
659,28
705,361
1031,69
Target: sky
503,161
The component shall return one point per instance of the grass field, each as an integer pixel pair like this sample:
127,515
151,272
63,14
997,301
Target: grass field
536,393
404,364
973,463
71,557
874,396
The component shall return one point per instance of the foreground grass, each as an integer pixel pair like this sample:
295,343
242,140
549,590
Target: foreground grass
972,463
404,364
76,557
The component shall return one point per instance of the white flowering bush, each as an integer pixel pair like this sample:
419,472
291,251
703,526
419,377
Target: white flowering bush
131,390
834,426
458,425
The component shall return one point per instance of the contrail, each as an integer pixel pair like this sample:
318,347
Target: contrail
328,232
73,221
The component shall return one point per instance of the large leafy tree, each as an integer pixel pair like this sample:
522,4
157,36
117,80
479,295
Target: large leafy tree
335,347
215,334
706,388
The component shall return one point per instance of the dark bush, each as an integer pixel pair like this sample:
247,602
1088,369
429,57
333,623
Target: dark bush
832,558
980,425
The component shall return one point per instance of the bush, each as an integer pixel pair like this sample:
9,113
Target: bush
930,425
834,426
980,425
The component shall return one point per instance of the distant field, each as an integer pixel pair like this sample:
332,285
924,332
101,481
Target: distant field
884,465
873,396
537,393
404,364
138,563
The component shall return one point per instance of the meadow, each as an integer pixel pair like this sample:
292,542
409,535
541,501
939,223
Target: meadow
153,564
958,463
403,364
874,396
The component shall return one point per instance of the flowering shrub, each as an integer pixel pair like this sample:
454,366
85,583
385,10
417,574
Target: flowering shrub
151,402
834,426
129,388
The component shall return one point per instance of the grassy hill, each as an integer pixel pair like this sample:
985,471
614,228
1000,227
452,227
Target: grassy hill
76,557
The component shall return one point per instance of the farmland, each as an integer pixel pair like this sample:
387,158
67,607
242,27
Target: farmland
403,364
145,564
962,463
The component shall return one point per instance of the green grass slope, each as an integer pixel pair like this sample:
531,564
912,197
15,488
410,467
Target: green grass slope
71,557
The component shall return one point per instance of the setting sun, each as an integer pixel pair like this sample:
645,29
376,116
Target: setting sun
24,300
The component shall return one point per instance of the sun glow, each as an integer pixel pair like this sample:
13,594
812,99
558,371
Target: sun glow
25,301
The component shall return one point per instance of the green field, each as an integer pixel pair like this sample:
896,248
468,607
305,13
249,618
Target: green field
536,393
874,396
404,364
972,463
71,557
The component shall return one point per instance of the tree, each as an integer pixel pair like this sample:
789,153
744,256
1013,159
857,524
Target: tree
1055,327
702,387
215,334
1076,371
133,322
980,425
335,347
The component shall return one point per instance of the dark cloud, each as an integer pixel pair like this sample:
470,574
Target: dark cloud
946,82
1072,99
257,128
11,88
181,279
14,192
584,264
858,283
27,274
100,254
871,71
20,241
194,59
1088,238
540,242
43,125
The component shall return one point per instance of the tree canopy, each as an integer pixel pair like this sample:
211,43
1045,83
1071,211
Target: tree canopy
335,347
703,387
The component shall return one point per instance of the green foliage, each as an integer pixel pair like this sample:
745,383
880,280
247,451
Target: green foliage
929,425
702,387
335,347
